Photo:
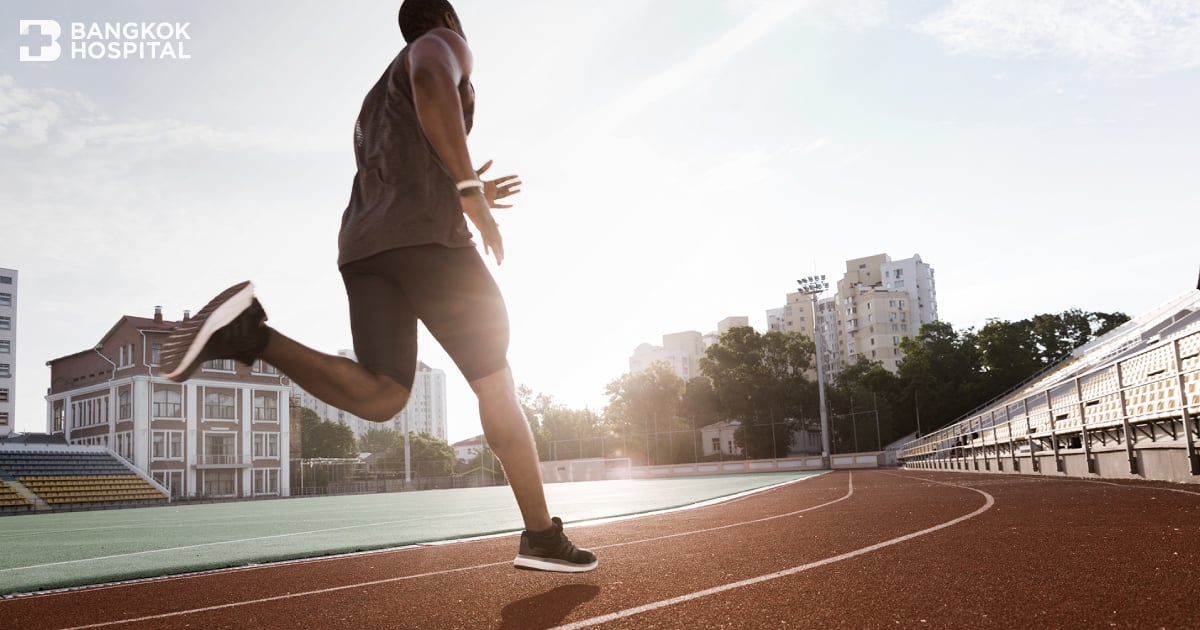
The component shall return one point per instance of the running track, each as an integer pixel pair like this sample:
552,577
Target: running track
868,549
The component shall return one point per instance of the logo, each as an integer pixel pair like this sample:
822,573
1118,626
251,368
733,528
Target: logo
90,41
43,34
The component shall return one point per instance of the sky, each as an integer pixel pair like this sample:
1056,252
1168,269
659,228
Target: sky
683,161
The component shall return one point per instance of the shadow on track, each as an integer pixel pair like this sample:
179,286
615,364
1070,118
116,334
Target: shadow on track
548,609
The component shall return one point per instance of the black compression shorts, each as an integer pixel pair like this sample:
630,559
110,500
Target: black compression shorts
448,288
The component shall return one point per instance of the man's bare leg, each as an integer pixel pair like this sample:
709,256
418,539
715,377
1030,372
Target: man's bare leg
337,380
508,434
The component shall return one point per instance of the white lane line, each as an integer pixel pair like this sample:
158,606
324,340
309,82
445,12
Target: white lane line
849,493
180,613
262,600
237,540
629,612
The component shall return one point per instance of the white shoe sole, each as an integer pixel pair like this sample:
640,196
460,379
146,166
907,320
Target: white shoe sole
546,564
218,318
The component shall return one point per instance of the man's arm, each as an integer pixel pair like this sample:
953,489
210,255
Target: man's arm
438,64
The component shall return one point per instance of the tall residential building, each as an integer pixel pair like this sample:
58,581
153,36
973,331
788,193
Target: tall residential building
425,411
8,350
223,433
426,408
878,302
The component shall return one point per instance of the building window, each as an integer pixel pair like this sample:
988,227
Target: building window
220,483
219,406
262,367
266,409
5,346
266,481
3,418
5,279
266,445
5,299
5,322
175,444
155,353
124,408
3,394
167,445
5,370
167,404
219,365
716,444
172,480
125,356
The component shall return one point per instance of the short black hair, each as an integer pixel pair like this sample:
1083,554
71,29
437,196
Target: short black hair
418,17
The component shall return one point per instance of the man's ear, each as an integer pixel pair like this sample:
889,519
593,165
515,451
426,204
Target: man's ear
451,23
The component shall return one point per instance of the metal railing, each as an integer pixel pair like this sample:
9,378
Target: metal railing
1157,389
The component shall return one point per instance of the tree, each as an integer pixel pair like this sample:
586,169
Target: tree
431,456
646,404
321,438
377,440
760,380
700,406
940,374
863,398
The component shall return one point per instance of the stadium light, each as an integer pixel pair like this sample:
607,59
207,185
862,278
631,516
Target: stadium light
814,286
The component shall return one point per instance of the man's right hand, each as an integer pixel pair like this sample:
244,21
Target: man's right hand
477,210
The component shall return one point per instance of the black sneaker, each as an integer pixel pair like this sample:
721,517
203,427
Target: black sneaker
550,550
228,327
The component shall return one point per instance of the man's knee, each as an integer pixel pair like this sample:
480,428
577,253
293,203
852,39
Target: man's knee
389,400
497,385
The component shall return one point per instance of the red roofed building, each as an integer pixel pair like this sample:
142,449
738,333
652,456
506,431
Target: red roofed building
223,433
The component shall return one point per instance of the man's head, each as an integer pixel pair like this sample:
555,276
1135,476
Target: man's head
418,17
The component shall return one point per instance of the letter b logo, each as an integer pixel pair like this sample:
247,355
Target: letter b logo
44,45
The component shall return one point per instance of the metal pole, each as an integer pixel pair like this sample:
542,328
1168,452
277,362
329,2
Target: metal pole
407,458
878,435
817,338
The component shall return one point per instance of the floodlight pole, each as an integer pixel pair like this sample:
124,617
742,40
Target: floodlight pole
813,286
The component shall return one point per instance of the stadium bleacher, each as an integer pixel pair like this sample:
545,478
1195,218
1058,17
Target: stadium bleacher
11,500
1126,404
74,479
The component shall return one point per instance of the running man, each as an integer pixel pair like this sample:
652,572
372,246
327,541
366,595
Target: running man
406,254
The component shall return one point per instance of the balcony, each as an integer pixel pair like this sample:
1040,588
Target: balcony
209,462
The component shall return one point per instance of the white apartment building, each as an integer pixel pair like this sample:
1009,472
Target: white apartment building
878,302
424,413
8,350
223,433
426,408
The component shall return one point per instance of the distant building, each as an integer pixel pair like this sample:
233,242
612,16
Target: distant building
718,439
878,302
223,433
724,325
468,449
681,350
8,350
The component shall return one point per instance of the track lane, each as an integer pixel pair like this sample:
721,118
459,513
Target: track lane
1050,553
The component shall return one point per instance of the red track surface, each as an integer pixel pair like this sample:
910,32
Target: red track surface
868,549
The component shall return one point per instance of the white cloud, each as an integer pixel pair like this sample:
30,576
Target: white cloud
1144,35
62,124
